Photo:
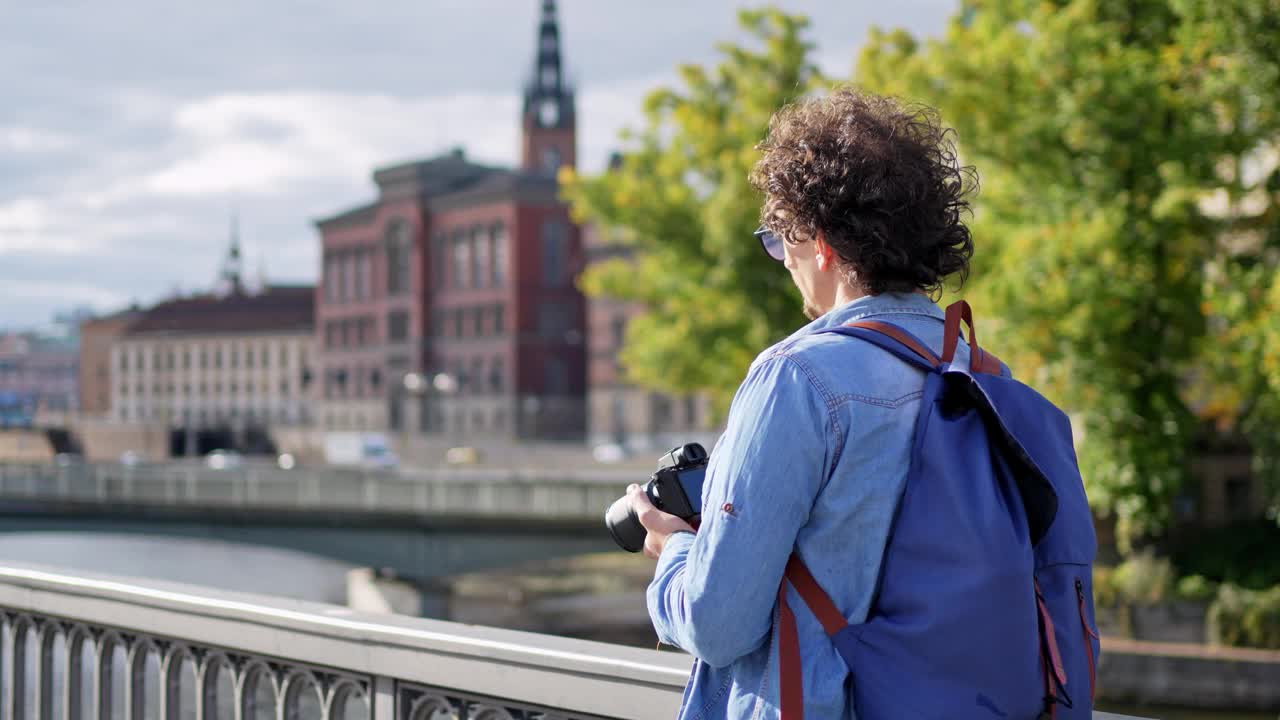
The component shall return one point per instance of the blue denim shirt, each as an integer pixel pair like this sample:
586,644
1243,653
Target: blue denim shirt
814,457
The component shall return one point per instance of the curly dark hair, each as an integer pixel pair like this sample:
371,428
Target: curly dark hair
880,179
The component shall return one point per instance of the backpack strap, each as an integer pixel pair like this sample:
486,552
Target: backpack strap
980,361
891,338
791,684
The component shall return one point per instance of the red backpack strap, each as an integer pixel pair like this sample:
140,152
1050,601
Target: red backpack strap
791,684
980,361
897,334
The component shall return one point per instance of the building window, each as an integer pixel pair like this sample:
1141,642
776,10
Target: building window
235,356
124,360
248,357
556,380
480,271
498,253
399,257
551,159
330,278
186,359
171,360
554,319
619,328
460,259
362,274
397,326
554,253
284,388
457,323
499,319
691,412
1237,500
549,78
217,358
477,319
496,374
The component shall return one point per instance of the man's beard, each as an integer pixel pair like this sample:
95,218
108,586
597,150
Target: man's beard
812,312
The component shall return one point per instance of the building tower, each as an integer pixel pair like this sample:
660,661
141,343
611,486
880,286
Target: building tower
231,276
549,123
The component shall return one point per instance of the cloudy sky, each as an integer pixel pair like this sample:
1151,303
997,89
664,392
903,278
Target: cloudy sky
129,131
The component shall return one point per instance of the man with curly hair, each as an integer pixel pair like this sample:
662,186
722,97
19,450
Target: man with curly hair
864,206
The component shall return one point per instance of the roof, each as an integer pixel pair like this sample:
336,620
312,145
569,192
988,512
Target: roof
516,185
280,308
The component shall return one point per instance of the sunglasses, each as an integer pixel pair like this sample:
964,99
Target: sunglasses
771,243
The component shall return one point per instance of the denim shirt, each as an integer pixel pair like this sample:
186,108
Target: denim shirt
814,458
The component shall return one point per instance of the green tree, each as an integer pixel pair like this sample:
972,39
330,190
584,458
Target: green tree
1102,130
682,203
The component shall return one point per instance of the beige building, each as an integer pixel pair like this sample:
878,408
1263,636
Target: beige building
97,336
620,413
217,370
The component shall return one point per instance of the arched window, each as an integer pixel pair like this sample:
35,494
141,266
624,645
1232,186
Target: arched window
479,257
498,239
399,257
554,253
461,259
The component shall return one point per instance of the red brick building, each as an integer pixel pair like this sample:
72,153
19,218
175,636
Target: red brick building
462,274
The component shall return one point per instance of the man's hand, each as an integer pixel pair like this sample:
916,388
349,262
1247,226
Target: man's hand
659,524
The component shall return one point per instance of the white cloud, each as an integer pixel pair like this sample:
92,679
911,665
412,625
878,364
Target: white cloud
65,294
32,140
261,143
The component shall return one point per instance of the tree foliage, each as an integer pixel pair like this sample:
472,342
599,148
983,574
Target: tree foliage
1105,131
1127,233
682,203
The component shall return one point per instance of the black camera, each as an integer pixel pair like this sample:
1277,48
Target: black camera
676,488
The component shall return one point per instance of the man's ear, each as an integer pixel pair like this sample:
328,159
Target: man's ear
824,255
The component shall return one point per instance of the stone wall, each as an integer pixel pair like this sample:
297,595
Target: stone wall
1176,674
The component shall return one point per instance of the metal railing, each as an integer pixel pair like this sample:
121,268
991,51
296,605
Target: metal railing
84,647
490,493
76,647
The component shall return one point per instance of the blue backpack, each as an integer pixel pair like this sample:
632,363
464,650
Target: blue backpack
984,603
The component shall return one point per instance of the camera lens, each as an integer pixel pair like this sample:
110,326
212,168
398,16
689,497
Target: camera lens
624,526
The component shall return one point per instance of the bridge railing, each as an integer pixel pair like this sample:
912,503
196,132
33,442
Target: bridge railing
74,646
490,493
78,646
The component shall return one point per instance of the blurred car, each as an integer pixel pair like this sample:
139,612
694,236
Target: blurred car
223,460
68,459
462,456
608,453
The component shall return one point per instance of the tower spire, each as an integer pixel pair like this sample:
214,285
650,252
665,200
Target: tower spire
231,278
549,137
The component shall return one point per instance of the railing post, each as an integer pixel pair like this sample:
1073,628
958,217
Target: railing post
382,699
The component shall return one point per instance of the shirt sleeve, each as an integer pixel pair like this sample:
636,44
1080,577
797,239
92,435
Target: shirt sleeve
713,593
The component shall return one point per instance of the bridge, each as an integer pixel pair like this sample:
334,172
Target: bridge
421,525
80,646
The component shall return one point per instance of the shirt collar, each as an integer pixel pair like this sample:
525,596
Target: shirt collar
872,305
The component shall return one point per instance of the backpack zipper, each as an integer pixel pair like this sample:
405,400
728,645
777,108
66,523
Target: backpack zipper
1089,634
